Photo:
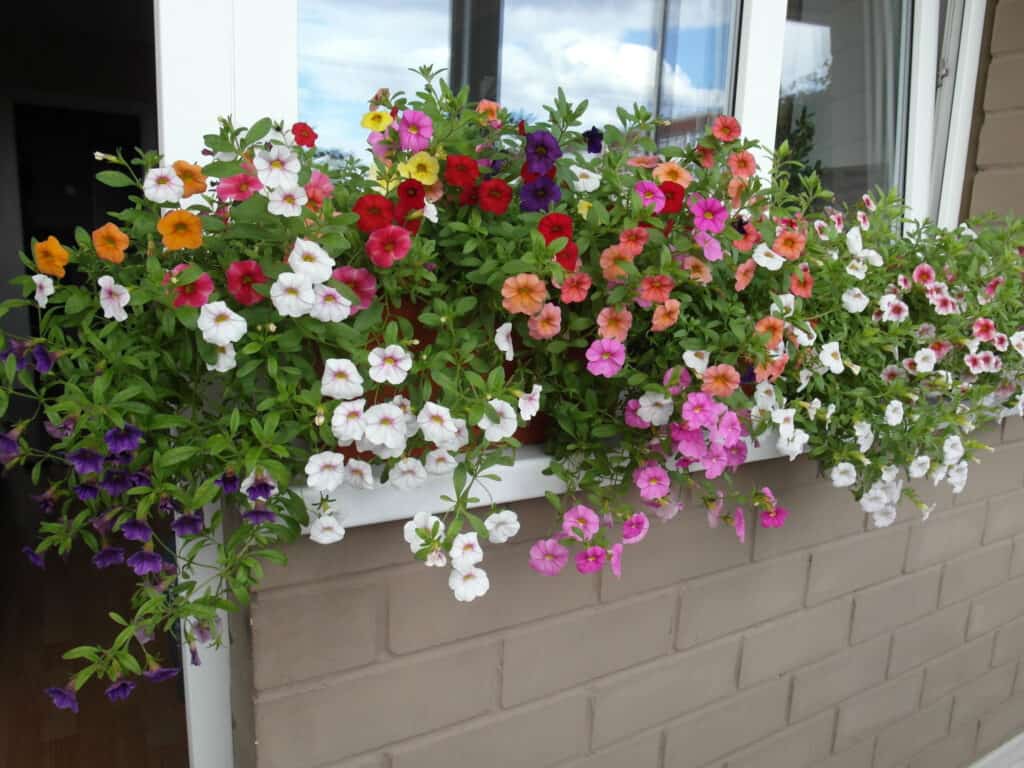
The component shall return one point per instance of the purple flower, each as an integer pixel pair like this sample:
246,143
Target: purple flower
262,487
605,357
9,448
709,214
34,557
229,482
47,501
102,523
107,557
120,690
539,195
85,462
121,458
127,438
542,151
143,562
19,350
187,525
593,137
193,653
136,530
160,674
87,491
578,520
140,479
60,431
168,505
64,698
115,483
259,514
42,358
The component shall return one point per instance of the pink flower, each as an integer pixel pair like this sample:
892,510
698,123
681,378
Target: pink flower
735,454
714,505
575,287
690,443
235,189
1001,342
665,508
387,245
774,517
983,329
924,274
580,518
709,214
414,131
650,195
195,294
605,357
652,481
319,188
547,323
616,559
715,461
635,528
378,142
590,560
700,410
676,379
728,431
712,248
631,418
361,281
739,523
548,557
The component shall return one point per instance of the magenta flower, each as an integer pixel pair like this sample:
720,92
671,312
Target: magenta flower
676,379
615,559
650,195
238,188
774,518
690,443
548,557
319,188
739,523
605,357
631,418
635,528
580,518
709,214
736,454
714,461
652,481
712,248
714,506
728,430
414,131
590,560
701,411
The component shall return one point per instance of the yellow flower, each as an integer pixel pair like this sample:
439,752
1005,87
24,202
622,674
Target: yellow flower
422,167
377,120
583,207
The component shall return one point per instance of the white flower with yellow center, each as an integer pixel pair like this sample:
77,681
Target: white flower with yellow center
219,325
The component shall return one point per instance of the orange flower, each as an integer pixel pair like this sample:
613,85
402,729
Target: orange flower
524,294
737,187
720,380
110,242
751,237
742,164
488,108
772,370
773,326
744,274
665,315
51,257
790,244
801,283
192,176
181,229
644,161
614,323
611,258
699,271
673,172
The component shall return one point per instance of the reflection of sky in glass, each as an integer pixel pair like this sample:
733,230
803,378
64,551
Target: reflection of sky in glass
806,57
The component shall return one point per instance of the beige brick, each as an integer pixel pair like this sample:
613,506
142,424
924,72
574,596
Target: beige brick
796,747
371,761
954,751
938,540
996,190
818,513
540,734
717,605
1017,561
866,712
996,607
289,645
902,740
1001,725
957,668
975,572
1009,643
1008,28
1005,516
422,612
641,752
1003,470
858,756
982,695
699,738
667,687
857,562
367,709
894,603
559,654
927,638
838,677
782,475
1013,429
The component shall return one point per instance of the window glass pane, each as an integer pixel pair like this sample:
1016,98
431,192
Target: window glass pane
347,50
844,91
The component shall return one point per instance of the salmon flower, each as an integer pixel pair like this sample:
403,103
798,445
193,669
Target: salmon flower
644,161
191,176
575,287
772,370
547,323
744,274
801,283
665,315
742,164
614,323
51,257
656,289
110,242
720,380
673,172
726,128
751,237
523,294
737,186
790,244
633,240
611,260
773,326
489,109
180,230
699,270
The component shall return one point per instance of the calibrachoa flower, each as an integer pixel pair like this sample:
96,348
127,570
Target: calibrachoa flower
605,357
546,323
542,151
635,528
548,557
590,560
277,167
389,364
311,261
505,426
650,195
219,325
539,195
292,295
652,482
241,277
708,213
113,299
415,130
523,294
580,522
162,185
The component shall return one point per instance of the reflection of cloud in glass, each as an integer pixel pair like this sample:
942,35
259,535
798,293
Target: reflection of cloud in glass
806,58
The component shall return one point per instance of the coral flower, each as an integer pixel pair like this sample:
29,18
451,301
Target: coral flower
726,128
705,156
523,294
575,287
656,288
744,274
238,188
772,370
650,195
665,315
242,276
801,282
181,230
644,161
388,245
614,323
773,326
110,242
191,176
790,244
673,172
735,190
611,258
488,108
547,323
699,270
605,357
742,164
751,237
720,380
51,257
318,189
633,240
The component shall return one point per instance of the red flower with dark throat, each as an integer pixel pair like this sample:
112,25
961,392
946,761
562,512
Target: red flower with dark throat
374,211
304,134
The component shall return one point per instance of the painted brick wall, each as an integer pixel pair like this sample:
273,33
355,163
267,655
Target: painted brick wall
824,644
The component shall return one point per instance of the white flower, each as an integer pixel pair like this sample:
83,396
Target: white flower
325,471
468,585
114,298
503,340
803,338
407,474
967,231
764,395
466,551
390,364
830,357
813,407
586,180
873,258
422,521
655,408
529,402
286,201
347,423
411,425
924,360
843,475
219,325
696,360
783,417
829,412
385,425
952,450
786,302
437,423
436,559
864,434
162,185
893,310
311,261
430,212
894,413
857,269
502,526
919,467
854,242
277,166
461,437
439,462
359,474
957,476
1017,340
44,289
506,424
793,445
225,359
326,529
855,300
341,379
767,258
292,295
329,306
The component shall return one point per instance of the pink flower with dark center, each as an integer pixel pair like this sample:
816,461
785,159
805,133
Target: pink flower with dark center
548,557
635,528
590,560
580,519
652,481
983,329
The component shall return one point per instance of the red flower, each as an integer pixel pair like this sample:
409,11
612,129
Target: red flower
361,281
242,276
528,175
388,245
554,226
495,196
569,257
195,294
413,225
410,197
304,134
469,196
374,211
706,156
461,171
521,127
674,195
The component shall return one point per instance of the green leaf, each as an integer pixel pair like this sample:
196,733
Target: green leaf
176,455
115,179
258,130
